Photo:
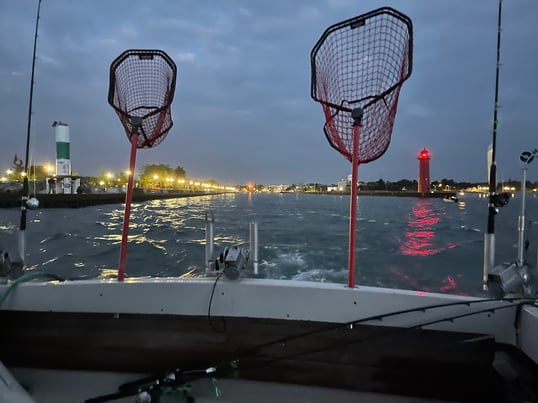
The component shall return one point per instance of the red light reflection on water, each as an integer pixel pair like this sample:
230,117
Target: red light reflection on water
421,232
451,285
415,281
420,240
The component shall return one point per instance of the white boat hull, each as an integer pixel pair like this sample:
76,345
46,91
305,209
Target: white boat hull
310,334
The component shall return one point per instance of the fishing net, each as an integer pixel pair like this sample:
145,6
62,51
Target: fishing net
141,91
142,84
362,63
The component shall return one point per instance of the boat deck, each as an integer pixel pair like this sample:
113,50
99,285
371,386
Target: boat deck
367,360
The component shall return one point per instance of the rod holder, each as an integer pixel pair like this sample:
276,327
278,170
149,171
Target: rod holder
254,247
521,228
209,241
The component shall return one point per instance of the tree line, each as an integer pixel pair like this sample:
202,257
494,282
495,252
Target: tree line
159,174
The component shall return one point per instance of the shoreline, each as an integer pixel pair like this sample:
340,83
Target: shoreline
48,200
388,193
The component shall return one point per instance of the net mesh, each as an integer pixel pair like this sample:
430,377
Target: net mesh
362,62
142,84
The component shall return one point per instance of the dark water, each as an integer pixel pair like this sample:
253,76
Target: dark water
422,244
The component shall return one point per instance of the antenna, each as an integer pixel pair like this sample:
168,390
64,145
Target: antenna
526,158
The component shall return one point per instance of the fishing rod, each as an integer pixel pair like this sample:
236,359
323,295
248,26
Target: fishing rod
494,200
25,190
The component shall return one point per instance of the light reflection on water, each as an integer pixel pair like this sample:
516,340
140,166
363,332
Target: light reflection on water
420,235
421,244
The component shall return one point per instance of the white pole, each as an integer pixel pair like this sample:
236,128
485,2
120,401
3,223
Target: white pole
209,242
521,220
254,247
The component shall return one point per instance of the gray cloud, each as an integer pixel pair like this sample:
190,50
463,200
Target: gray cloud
243,110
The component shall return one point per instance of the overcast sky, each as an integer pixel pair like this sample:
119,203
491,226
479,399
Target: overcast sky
242,110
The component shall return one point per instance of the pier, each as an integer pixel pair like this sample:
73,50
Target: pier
47,200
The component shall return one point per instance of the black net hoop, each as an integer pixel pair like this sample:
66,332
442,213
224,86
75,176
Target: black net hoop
141,91
362,63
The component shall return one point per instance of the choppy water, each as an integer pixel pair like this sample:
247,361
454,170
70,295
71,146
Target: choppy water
423,244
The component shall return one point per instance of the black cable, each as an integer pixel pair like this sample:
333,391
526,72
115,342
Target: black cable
527,241
517,323
154,383
285,340
223,330
380,317
390,332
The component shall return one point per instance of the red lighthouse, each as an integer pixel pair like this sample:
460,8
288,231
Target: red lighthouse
423,171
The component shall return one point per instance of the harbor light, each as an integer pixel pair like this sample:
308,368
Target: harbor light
63,158
62,181
423,171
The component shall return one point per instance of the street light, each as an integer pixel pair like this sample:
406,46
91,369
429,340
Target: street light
108,178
